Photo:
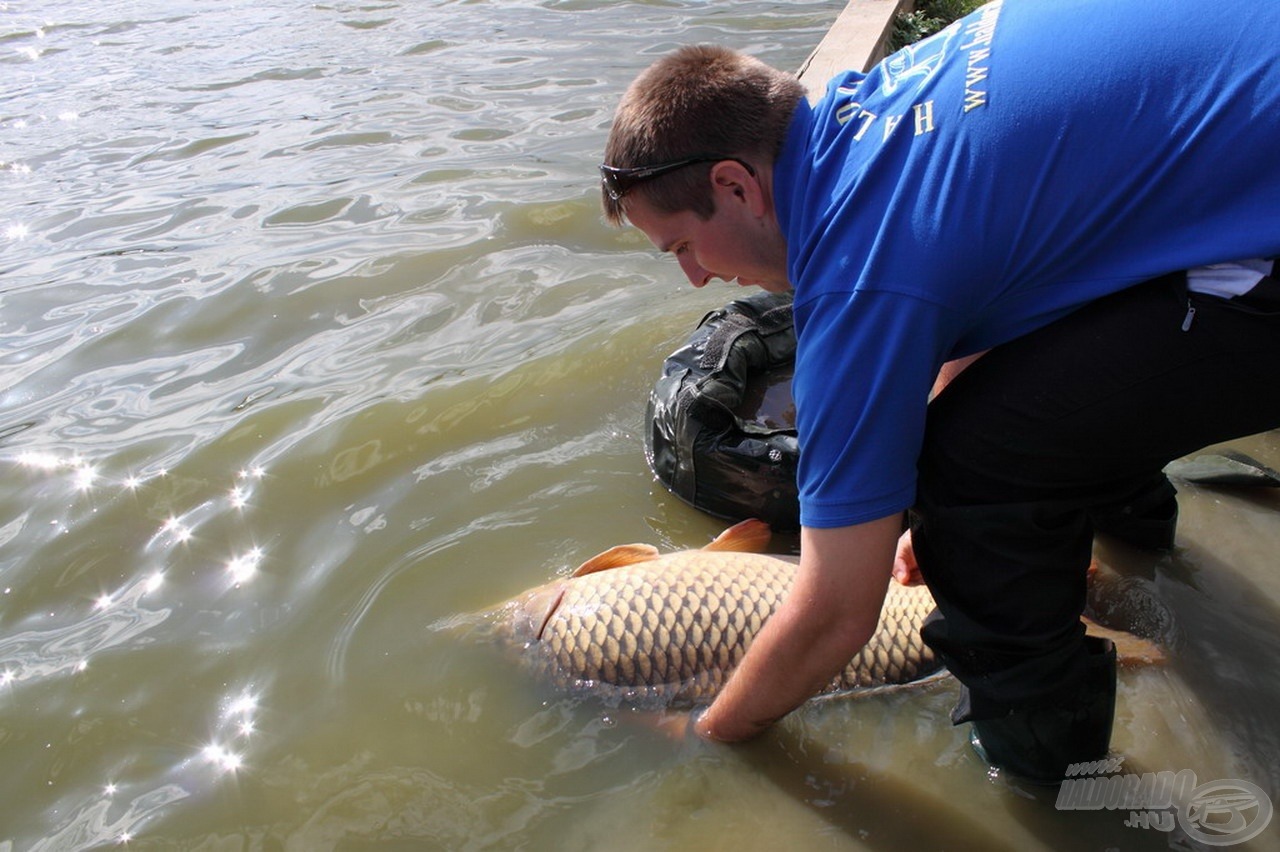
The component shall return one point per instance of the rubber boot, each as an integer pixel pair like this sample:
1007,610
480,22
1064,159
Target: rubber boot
1038,744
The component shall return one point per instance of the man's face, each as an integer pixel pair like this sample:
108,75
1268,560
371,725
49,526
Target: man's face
740,241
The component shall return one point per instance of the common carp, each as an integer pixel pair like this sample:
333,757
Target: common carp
637,625
669,629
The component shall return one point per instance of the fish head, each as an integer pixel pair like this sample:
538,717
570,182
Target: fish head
529,613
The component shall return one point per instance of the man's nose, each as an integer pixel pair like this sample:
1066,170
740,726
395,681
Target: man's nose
697,276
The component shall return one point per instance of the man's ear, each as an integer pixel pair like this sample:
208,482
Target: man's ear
733,177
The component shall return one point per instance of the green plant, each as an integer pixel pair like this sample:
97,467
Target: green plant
929,17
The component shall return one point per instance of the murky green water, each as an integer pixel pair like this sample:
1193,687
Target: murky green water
312,343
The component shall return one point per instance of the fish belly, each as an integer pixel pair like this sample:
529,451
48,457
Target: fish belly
672,629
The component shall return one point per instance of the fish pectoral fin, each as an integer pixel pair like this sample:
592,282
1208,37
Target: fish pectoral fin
616,557
1130,650
749,536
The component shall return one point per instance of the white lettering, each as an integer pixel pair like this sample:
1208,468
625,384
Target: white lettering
868,118
980,33
1150,819
1106,766
975,73
890,122
981,30
924,117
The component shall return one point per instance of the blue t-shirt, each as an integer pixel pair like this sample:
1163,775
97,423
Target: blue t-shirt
988,180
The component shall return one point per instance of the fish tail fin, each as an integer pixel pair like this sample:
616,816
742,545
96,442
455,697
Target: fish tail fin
749,536
1131,650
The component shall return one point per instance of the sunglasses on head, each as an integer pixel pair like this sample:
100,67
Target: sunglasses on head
619,181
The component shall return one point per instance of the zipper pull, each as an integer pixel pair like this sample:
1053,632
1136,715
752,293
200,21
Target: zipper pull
1191,315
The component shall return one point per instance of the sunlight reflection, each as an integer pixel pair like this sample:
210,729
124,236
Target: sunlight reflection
222,758
87,476
242,568
237,713
39,460
180,531
92,826
239,495
242,706
84,477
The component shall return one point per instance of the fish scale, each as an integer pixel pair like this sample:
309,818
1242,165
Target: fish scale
672,628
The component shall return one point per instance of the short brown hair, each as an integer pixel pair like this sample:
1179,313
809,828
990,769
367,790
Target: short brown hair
700,100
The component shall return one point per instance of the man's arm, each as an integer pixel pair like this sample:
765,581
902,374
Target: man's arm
830,613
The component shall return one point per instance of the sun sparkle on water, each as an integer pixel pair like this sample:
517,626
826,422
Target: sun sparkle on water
243,567
180,531
222,758
39,460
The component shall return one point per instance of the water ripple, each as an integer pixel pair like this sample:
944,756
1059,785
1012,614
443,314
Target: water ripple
117,621
92,826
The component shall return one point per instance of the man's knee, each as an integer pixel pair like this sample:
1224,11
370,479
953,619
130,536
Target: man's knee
1009,581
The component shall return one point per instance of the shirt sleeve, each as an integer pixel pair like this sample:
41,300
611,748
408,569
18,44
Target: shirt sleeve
865,363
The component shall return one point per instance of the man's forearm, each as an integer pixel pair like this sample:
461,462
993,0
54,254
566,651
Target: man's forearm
829,614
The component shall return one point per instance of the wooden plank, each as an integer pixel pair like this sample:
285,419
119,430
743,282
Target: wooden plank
855,41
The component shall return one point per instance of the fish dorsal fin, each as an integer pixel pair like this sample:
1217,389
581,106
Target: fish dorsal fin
749,536
616,557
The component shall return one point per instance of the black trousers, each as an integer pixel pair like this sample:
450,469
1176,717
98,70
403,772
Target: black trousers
1044,434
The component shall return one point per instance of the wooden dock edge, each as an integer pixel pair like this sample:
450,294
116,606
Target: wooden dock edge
855,41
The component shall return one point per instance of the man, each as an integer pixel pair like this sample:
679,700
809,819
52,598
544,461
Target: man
1028,182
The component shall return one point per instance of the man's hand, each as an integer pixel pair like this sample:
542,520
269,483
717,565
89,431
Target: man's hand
829,614
905,569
